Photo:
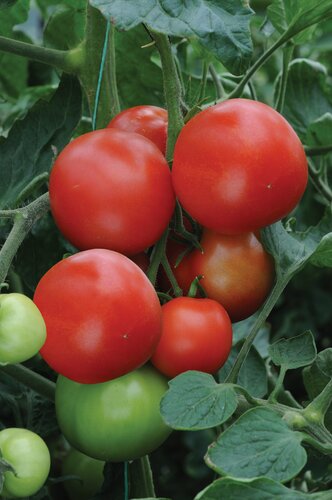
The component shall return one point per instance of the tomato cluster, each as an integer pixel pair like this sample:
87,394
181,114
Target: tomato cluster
238,166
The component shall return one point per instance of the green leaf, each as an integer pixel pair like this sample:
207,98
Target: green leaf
220,25
241,330
65,28
259,443
319,374
308,94
319,132
256,489
315,378
6,3
139,80
294,16
293,250
31,143
13,69
195,401
294,352
252,375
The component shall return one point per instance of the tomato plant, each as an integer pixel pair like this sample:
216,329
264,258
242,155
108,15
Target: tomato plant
196,335
249,171
22,328
28,454
114,421
239,94
102,316
150,121
88,472
107,183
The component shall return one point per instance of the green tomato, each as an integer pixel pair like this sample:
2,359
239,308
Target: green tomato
89,472
22,328
113,421
28,454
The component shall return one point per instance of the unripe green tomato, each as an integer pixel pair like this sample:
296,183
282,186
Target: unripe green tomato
28,454
89,472
22,328
113,421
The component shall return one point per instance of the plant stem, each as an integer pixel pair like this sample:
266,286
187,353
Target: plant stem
24,218
141,480
278,386
36,182
264,313
318,150
318,182
319,406
172,90
156,257
170,275
62,59
237,92
217,82
33,380
96,27
287,56
326,449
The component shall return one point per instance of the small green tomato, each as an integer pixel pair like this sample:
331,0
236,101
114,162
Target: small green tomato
28,454
22,328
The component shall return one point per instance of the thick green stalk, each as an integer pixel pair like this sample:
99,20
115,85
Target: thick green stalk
317,409
65,60
286,59
92,47
33,380
172,90
141,480
24,218
237,92
265,311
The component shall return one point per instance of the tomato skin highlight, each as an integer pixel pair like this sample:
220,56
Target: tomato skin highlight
236,271
102,315
146,120
196,335
28,454
111,189
115,421
239,166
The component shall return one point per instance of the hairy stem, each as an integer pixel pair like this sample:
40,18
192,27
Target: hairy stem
287,57
265,311
172,89
65,60
24,218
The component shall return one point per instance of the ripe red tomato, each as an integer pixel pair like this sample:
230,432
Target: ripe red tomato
146,120
111,189
237,271
196,335
239,166
102,315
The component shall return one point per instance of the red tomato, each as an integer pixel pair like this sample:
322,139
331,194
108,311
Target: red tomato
237,271
196,335
111,189
239,166
146,120
102,315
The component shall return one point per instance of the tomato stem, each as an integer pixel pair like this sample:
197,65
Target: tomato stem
24,218
320,404
173,92
156,257
141,480
264,313
287,55
278,386
65,60
318,150
33,380
220,91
